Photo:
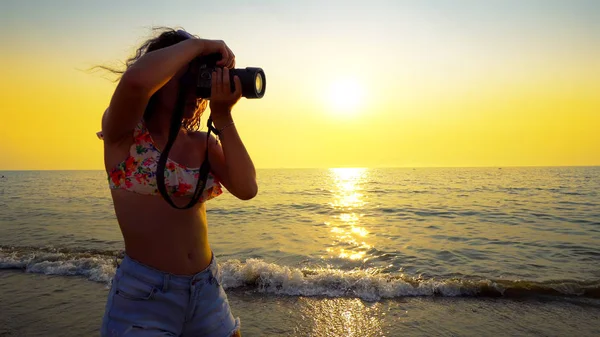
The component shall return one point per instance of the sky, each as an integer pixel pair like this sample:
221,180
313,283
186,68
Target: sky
349,83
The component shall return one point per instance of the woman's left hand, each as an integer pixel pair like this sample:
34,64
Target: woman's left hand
222,99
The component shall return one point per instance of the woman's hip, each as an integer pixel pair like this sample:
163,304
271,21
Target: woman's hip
147,299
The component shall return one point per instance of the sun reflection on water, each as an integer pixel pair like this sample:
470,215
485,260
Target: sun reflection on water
346,229
360,231
341,317
347,187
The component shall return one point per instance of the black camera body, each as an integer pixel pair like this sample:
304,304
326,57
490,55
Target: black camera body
254,82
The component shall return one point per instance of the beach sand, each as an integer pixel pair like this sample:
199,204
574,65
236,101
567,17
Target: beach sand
45,305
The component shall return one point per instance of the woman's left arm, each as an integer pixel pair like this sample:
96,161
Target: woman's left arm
230,161
232,164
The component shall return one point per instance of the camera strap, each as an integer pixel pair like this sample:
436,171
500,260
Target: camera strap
176,121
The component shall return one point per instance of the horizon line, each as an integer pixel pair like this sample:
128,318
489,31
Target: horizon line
349,167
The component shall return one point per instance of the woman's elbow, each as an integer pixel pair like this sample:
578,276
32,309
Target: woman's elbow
248,192
135,81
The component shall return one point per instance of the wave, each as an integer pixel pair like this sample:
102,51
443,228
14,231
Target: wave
95,265
372,286
270,278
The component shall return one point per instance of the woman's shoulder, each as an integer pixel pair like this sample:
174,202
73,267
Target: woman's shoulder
199,137
197,134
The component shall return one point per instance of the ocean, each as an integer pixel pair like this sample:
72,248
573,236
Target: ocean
499,251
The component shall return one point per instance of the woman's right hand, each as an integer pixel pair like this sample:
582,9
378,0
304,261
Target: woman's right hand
218,46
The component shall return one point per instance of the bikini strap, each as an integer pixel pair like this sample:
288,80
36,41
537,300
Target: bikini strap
176,120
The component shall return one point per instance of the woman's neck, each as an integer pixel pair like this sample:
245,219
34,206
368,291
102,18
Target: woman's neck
159,123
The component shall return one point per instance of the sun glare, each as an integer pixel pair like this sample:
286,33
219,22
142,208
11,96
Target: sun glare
345,95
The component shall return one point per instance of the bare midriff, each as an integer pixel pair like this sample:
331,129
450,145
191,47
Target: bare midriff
162,237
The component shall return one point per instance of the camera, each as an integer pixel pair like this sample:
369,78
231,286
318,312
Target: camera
254,82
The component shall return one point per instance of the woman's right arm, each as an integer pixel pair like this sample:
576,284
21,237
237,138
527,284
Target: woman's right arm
146,76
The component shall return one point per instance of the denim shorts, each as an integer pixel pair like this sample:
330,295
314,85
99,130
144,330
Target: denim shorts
144,301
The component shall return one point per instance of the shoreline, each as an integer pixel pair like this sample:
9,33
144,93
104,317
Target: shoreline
48,305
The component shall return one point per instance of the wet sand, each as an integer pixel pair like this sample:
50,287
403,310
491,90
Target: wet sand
42,305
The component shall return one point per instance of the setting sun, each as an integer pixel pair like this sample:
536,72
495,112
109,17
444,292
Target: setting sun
345,95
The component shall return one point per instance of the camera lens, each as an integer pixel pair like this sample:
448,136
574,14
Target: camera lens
259,83
253,79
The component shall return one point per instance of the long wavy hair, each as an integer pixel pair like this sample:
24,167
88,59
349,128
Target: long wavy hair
163,37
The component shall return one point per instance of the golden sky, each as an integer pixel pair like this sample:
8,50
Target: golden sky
391,84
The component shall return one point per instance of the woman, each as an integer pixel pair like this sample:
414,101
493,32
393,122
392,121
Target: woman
168,283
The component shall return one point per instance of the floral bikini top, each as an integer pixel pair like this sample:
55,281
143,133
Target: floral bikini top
137,173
